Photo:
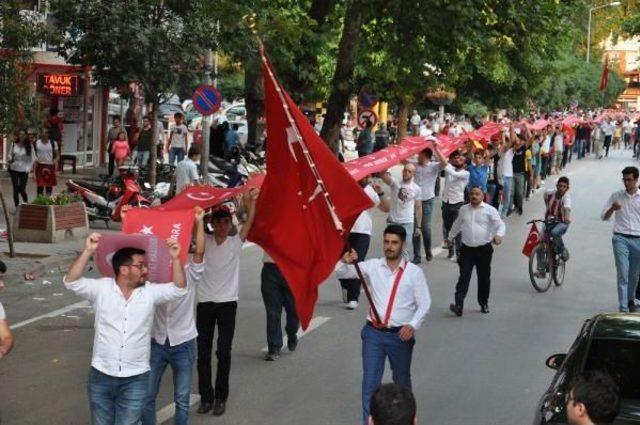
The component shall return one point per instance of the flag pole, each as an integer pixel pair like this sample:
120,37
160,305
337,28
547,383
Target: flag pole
367,293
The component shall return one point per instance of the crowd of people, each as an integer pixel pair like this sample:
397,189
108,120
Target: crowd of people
142,327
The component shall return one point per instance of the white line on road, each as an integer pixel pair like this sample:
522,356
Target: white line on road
316,322
81,304
169,411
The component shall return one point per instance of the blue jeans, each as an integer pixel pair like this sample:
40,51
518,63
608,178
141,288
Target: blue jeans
277,296
376,347
176,153
580,145
507,195
181,357
627,256
427,210
142,158
558,230
116,401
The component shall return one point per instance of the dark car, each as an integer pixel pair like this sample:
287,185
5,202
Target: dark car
607,342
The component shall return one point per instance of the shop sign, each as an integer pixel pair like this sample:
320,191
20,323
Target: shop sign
58,84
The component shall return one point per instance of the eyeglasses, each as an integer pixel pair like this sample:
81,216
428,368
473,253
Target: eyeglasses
628,179
140,266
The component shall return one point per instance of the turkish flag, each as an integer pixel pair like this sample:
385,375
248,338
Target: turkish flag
176,224
533,239
157,254
604,79
308,201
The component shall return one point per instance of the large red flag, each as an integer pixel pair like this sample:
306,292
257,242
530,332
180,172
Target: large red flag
177,224
604,80
308,201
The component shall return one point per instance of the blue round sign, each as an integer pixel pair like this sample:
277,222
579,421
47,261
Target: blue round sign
206,99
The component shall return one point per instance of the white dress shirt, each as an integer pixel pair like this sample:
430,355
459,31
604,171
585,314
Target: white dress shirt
454,183
364,222
412,299
478,225
627,218
426,176
122,339
175,320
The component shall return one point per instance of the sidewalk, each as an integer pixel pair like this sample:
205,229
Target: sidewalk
41,258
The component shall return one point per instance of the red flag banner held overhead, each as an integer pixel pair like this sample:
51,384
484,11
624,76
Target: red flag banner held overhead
308,201
176,224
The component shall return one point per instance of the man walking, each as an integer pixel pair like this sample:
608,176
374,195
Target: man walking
177,143
187,172
360,237
406,207
401,301
173,338
124,309
145,143
217,305
480,224
607,129
427,173
456,178
624,205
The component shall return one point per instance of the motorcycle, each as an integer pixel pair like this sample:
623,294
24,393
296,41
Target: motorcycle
105,198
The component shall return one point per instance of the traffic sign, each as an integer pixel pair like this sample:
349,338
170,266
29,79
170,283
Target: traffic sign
367,115
206,99
366,99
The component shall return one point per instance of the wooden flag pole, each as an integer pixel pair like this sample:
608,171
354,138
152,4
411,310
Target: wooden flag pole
367,293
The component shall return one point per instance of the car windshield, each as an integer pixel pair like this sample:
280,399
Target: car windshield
619,358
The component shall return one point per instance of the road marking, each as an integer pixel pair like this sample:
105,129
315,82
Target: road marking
167,412
81,304
316,322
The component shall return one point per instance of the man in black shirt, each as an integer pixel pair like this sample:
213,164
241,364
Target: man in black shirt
145,142
519,172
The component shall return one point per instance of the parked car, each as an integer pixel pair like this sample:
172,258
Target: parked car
235,114
606,342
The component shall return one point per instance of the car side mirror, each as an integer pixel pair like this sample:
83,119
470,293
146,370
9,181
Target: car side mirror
555,361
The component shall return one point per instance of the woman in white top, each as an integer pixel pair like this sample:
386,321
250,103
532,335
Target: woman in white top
47,155
21,157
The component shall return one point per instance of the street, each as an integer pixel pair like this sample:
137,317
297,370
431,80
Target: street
477,369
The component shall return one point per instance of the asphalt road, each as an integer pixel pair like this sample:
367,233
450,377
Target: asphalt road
480,369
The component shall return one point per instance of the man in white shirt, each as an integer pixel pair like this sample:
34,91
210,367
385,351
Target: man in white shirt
456,178
427,173
187,170
558,149
217,304
177,143
406,207
624,205
401,301
607,129
506,167
360,237
558,207
480,224
173,338
124,309
6,338
415,123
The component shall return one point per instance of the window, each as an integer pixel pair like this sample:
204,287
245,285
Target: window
618,357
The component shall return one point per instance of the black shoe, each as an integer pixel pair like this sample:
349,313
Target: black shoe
450,255
416,260
204,407
272,357
292,344
218,408
455,309
428,256
484,308
632,307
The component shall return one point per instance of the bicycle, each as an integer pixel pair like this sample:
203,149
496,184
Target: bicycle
545,264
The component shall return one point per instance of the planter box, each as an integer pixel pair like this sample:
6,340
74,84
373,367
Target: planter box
50,223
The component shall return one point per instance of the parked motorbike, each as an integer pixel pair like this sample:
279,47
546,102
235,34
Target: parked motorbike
105,198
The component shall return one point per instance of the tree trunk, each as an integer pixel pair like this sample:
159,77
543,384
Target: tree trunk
403,118
153,153
341,84
253,94
12,251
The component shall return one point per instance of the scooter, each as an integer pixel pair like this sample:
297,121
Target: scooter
105,198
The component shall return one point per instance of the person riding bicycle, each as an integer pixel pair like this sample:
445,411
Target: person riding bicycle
558,204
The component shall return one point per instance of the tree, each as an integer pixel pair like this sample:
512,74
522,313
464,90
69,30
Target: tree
154,43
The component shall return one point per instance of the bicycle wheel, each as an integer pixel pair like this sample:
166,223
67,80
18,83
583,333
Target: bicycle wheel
539,271
558,271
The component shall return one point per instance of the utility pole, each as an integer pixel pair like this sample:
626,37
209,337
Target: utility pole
206,122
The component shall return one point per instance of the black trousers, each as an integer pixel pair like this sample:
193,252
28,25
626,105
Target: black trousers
607,145
449,215
208,315
277,296
360,243
19,183
480,258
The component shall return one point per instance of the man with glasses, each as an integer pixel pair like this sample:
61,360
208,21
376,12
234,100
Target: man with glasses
124,309
594,399
624,206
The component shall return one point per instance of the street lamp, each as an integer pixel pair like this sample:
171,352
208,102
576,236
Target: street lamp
591,10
